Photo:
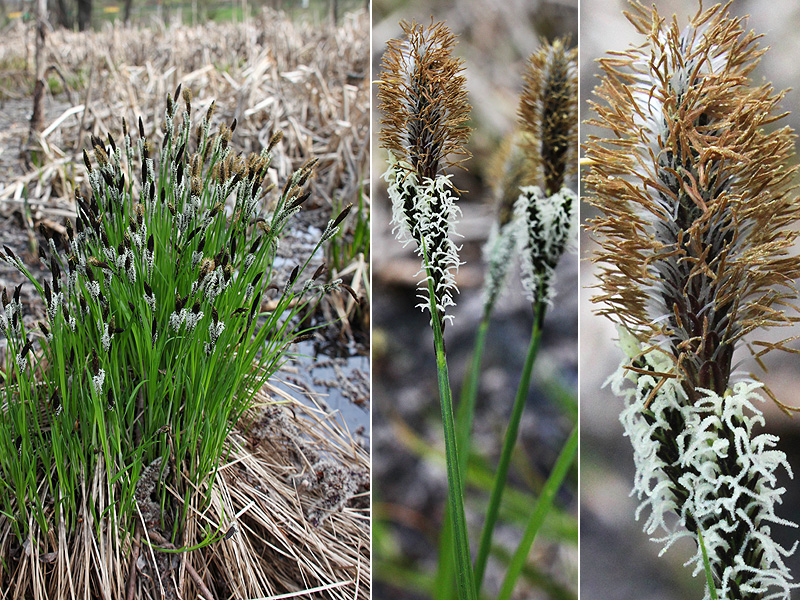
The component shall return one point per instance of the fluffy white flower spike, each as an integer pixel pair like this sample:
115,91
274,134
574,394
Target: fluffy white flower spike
535,206
705,463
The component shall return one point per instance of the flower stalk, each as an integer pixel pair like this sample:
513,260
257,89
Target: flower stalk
425,110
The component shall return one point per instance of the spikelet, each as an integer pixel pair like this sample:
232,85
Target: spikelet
425,110
695,195
696,205
537,215
548,115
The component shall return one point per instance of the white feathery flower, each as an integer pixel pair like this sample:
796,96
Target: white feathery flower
149,263
176,319
728,485
94,289
332,285
498,253
548,227
97,382
426,213
215,330
192,319
105,339
21,361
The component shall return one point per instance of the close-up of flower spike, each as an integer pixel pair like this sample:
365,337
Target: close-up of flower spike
538,215
538,219
424,104
694,187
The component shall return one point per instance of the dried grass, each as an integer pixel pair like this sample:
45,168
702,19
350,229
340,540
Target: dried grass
269,73
261,497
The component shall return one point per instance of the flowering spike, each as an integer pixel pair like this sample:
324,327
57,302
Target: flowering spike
694,187
425,110
548,115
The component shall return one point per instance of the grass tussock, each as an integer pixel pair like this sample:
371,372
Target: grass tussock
117,408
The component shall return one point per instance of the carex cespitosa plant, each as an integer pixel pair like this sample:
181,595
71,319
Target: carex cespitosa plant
537,212
423,100
694,189
155,338
537,220
424,128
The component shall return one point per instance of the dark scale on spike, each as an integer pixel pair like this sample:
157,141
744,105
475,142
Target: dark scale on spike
342,215
141,128
293,276
54,268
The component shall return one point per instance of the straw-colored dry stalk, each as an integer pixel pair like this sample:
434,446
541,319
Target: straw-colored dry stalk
307,80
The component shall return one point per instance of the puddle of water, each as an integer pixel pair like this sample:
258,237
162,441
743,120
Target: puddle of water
339,381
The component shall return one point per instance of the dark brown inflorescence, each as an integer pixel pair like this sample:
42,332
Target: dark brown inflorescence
424,127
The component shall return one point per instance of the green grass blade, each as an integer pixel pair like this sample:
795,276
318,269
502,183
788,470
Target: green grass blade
465,577
508,447
712,589
465,415
540,510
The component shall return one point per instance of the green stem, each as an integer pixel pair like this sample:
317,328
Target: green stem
465,414
508,446
712,588
543,505
466,583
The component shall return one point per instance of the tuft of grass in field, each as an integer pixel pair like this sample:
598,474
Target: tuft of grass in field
155,339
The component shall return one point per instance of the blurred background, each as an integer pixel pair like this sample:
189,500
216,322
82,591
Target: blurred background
618,562
495,40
